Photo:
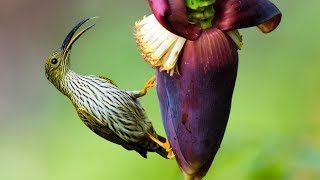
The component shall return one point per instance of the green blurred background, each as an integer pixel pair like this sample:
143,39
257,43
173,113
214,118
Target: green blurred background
273,130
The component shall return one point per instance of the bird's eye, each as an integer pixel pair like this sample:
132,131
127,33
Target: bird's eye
54,61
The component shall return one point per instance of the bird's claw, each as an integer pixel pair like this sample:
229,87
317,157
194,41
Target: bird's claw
168,148
171,155
166,145
149,84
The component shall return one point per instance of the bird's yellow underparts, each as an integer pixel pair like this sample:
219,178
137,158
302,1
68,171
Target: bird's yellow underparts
165,146
150,84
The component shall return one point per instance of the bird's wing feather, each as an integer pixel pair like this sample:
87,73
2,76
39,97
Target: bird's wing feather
108,80
99,127
128,114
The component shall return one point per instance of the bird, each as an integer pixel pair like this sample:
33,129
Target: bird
112,113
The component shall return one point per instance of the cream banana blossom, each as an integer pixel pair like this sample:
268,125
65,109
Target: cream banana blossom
161,48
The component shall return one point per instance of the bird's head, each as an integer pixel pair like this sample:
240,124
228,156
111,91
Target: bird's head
58,63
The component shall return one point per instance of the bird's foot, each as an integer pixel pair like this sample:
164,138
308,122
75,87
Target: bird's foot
166,145
150,84
168,148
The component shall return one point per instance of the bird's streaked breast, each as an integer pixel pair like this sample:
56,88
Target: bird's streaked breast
113,106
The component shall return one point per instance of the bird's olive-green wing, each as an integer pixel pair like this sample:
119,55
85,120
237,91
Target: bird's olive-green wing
95,124
100,128
108,80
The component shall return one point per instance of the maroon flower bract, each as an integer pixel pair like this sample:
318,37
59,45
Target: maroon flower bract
195,106
230,15
195,103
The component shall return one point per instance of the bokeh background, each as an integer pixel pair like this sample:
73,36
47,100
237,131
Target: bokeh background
273,130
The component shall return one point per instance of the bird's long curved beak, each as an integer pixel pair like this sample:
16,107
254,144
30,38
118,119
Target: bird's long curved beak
70,39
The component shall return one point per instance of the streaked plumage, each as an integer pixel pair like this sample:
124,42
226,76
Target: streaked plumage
109,111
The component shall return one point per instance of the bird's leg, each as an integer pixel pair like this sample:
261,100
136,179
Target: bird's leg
149,84
165,146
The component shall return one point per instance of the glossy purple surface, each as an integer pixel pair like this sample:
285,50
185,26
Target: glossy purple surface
195,106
